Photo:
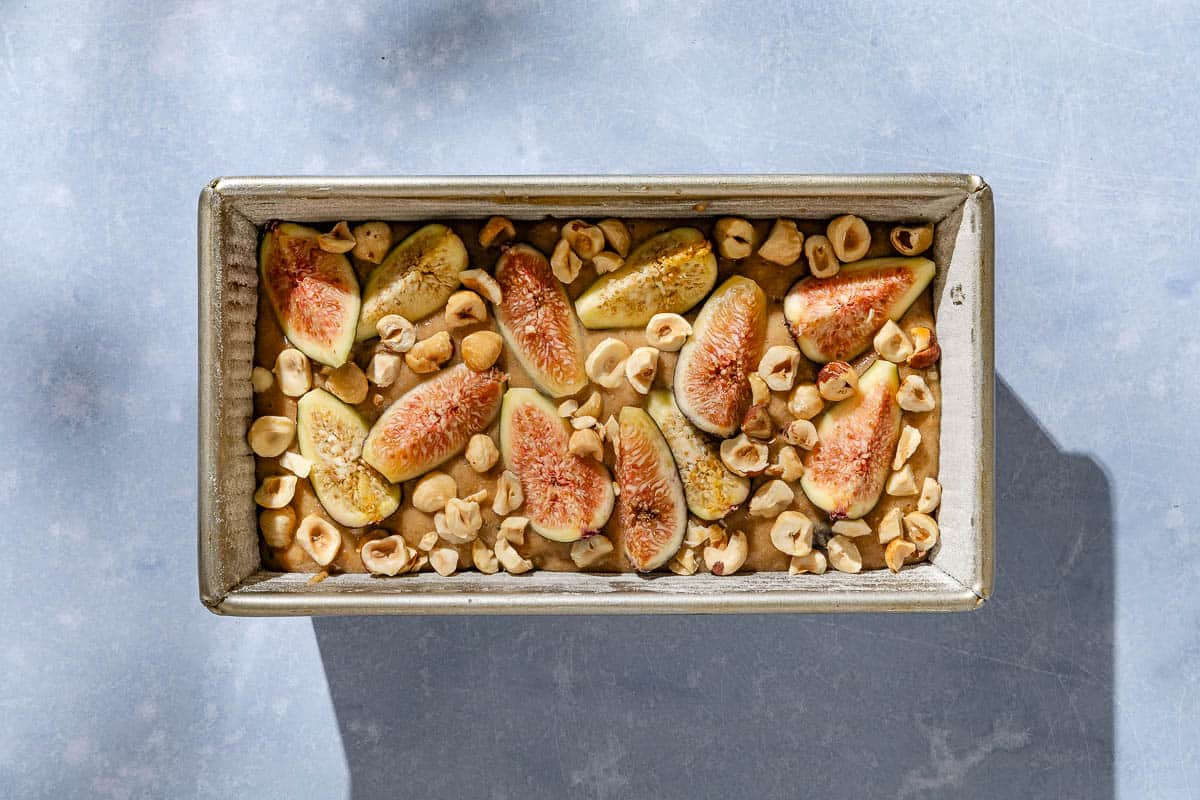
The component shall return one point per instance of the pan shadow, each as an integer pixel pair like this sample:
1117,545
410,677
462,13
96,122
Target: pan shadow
1014,700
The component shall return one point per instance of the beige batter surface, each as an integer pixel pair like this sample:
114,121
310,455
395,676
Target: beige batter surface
413,524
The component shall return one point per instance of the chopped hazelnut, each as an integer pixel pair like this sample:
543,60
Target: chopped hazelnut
509,495
837,380
477,496
606,363
792,533
296,464
697,534
261,379
931,496
801,432
906,445
386,556
483,284
508,556
607,262
460,522
891,526
444,560
586,444
850,237
843,554
757,422
760,393
822,262
372,240
428,355
512,529
901,483
396,333
787,466
668,331
588,551
428,541
319,538
293,372
892,343
784,244
744,456
278,526
926,350
495,231
586,240
771,498
383,369
564,263
778,367
465,308
338,240
568,407
735,237
580,422
612,431
922,530
433,491
348,383
912,240
806,401
269,436
684,562
616,234
276,491
591,407
481,452
812,563
851,528
914,395
484,558
641,367
896,552
481,349
728,559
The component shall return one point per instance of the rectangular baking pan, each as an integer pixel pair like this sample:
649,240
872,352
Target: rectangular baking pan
958,576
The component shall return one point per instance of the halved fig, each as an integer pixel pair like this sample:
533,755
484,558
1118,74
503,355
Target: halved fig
567,497
314,294
416,278
651,505
712,491
846,471
331,436
537,321
835,319
433,421
711,384
670,272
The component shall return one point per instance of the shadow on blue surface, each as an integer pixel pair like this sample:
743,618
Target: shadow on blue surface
1015,700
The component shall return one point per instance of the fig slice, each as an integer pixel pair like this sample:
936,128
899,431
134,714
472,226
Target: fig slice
845,473
651,506
433,421
712,491
567,497
331,436
536,319
835,319
711,383
669,272
415,279
314,294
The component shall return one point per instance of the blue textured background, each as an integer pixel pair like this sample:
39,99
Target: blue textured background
1078,679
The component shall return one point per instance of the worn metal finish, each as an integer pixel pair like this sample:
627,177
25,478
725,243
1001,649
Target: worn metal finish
959,574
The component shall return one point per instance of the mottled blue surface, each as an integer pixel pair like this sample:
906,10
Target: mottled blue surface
1078,679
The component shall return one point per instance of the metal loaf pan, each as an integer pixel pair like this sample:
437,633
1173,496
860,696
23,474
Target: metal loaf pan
959,574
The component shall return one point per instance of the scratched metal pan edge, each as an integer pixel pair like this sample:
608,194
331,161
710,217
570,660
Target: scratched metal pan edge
959,575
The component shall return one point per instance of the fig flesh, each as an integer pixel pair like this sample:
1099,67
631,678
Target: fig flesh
846,470
711,380
415,280
567,497
712,491
314,294
835,319
433,421
536,319
651,506
331,436
667,273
